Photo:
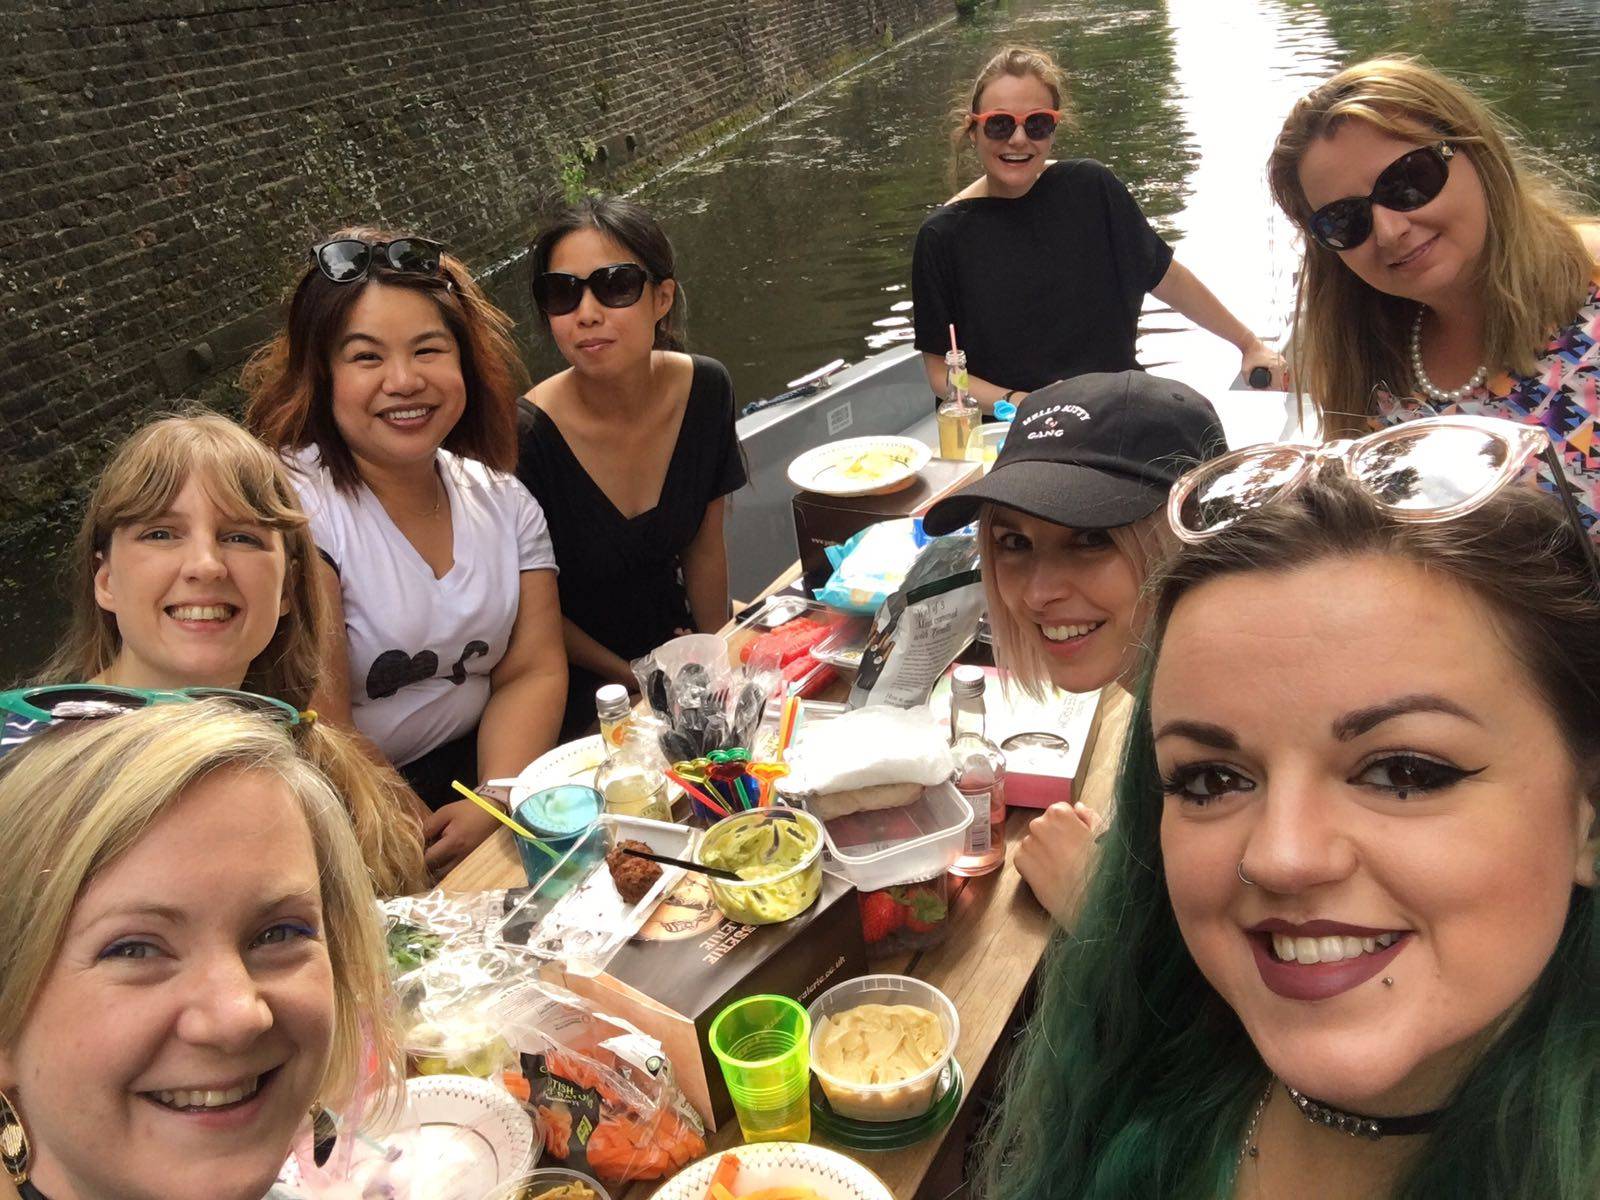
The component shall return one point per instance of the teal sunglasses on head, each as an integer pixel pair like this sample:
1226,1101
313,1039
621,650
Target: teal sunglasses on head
88,701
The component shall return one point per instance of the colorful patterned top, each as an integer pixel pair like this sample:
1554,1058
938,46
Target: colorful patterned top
1562,396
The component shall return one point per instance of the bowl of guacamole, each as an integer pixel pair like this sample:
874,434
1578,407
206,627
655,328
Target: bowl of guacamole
777,854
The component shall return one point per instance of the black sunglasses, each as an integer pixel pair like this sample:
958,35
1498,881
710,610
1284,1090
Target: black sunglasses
1409,182
617,286
347,260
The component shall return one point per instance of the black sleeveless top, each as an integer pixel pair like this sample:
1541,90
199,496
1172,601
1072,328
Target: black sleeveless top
621,578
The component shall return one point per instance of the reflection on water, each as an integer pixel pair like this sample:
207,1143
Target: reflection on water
795,238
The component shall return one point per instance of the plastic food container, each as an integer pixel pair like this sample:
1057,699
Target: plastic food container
919,840
902,917
901,1099
573,914
988,442
456,1046
539,1183
778,897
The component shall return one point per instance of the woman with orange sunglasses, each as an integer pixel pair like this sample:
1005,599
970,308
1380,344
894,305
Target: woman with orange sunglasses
1042,265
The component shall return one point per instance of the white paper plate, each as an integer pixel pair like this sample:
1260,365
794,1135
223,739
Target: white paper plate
473,1137
782,1164
835,469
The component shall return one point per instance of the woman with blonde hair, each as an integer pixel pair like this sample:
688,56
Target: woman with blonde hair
1042,265
1071,524
391,392
194,568
190,956
1445,271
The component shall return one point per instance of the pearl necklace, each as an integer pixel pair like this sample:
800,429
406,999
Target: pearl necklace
1430,389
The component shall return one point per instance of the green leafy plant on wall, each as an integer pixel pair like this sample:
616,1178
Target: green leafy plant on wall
572,169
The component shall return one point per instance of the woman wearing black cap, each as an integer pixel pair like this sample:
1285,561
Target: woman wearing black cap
1070,524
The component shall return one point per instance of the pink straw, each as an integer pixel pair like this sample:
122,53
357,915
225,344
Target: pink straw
953,349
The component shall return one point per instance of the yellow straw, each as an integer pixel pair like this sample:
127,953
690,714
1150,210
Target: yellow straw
494,811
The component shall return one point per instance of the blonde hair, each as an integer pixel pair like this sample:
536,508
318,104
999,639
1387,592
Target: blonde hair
1020,62
77,797
1533,272
248,482
1144,544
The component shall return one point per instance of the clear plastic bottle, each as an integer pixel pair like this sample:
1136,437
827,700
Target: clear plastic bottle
982,778
959,414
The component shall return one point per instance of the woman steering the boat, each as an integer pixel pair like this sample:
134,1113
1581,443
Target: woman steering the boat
190,958
1042,266
1443,273
391,392
1342,938
194,568
631,450
1070,524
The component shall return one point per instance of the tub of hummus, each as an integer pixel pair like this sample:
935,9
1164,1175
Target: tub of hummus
879,1043
777,854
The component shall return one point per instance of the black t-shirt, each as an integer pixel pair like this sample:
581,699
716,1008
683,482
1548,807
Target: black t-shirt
1041,287
621,579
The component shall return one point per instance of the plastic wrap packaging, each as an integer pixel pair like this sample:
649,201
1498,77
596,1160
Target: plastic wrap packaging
699,702
872,564
604,1092
447,972
920,629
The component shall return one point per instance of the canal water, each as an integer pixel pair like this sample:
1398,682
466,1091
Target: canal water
794,238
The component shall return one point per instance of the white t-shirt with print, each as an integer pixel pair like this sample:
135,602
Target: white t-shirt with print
421,648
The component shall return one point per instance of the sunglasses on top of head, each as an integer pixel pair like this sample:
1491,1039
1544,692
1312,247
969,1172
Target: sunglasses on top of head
89,701
347,260
617,286
1406,184
998,126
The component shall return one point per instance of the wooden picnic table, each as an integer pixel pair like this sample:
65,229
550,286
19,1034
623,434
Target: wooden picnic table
997,933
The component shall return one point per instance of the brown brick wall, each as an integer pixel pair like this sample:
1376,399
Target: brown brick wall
164,163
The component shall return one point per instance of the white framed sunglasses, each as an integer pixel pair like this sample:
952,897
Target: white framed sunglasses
1428,470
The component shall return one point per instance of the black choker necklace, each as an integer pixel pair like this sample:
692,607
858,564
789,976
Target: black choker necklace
1371,1128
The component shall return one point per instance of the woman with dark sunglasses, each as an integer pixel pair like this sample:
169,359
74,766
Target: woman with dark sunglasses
1342,936
1444,271
390,391
1042,266
631,450
194,568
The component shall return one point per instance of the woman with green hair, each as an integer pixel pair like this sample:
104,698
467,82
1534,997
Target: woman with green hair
1342,938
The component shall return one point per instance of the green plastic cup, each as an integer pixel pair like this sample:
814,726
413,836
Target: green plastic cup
764,1046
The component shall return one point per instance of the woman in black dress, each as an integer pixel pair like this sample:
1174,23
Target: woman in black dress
630,451
1042,266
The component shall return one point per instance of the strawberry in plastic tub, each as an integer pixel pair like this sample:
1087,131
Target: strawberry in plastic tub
907,916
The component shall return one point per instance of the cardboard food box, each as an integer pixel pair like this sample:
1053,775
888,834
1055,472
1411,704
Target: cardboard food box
1043,741
822,521
689,963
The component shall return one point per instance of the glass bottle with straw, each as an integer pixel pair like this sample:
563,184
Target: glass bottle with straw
959,414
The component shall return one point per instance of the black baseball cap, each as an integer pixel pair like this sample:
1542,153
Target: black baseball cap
1092,452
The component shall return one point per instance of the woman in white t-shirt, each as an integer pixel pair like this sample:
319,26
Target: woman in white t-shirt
391,390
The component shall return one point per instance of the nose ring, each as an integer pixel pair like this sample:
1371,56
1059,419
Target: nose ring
1243,878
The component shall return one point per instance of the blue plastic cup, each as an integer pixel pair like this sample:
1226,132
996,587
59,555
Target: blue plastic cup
558,816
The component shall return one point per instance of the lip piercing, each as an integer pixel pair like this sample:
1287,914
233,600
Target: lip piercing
1243,878
1387,981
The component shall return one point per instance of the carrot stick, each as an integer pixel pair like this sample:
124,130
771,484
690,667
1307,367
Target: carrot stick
726,1173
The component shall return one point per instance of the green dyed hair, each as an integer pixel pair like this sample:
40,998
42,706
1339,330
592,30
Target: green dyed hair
1135,1078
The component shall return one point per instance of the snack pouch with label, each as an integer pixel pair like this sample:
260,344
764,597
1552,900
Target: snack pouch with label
919,630
603,1091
